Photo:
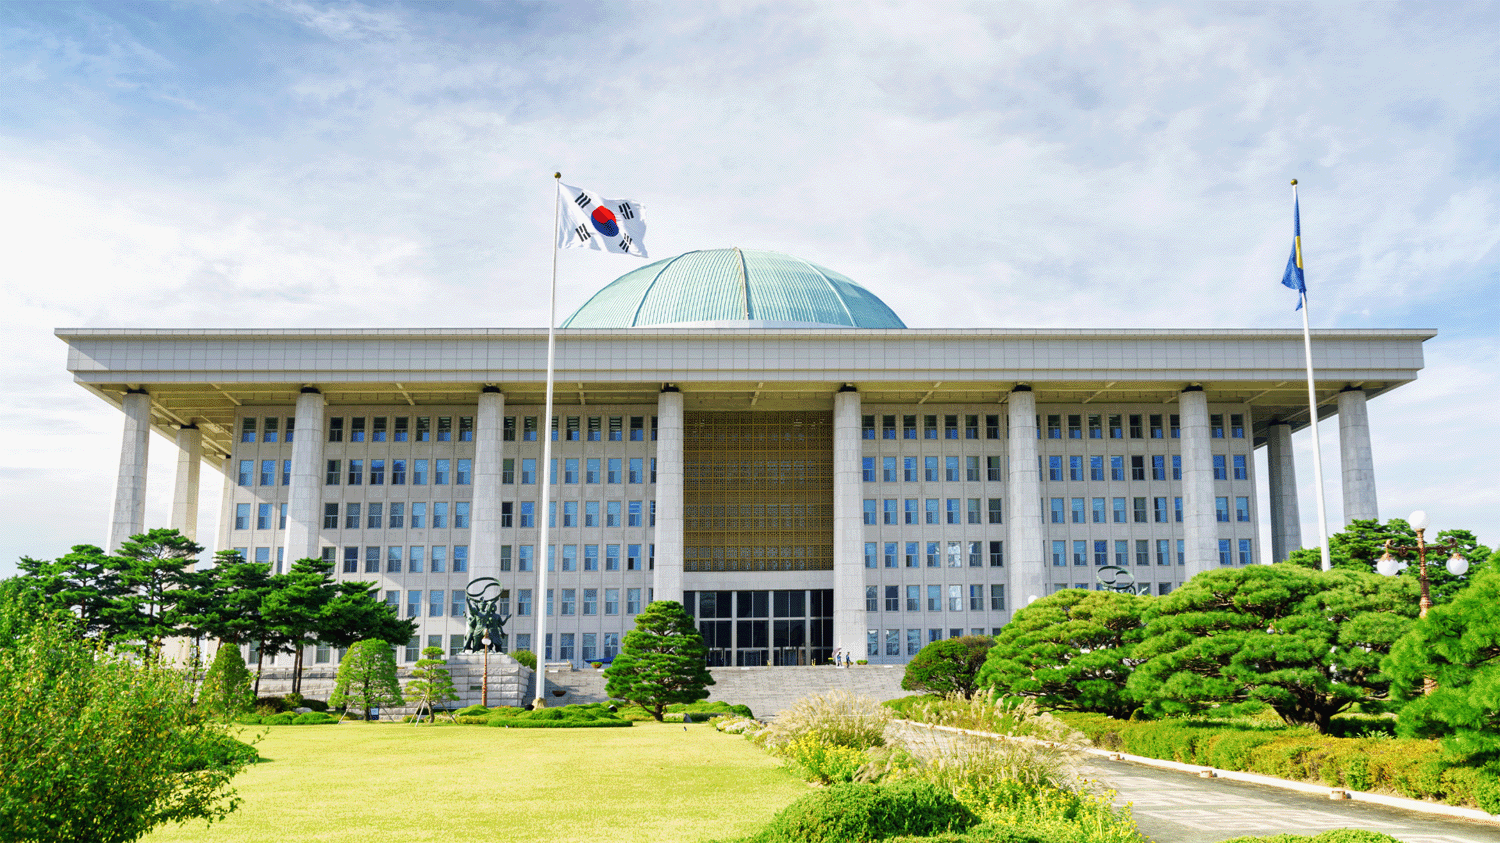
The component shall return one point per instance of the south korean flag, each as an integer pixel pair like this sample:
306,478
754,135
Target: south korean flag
610,225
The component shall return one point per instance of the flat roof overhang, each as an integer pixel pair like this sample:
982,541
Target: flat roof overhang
203,377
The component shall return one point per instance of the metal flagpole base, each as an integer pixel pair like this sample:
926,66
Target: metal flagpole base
538,704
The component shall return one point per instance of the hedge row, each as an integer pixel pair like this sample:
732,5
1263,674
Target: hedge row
286,718
1416,769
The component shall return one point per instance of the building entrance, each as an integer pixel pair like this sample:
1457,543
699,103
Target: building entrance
759,628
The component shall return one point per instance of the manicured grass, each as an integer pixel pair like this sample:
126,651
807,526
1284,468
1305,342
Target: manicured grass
360,782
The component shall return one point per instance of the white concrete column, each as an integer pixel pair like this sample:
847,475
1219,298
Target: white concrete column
129,511
1199,525
185,490
667,579
848,525
1356,458
305,499
1286,517
484,535
1024,532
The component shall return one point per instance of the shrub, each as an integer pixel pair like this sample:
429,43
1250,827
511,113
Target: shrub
821,762
271,705
856,813
222,751
948,666
837,717
525,657
283,719
225,692
313,718
315,705
471,711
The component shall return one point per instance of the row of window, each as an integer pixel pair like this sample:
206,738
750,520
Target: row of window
969,469
416,559
955,553
378,515
1093,510
932,511
571,601
1163,552
1051,467
1139,426
956,602
893,638
461,471
272,429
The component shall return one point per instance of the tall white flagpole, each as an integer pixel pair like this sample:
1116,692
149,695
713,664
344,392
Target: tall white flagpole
1312,408
539,604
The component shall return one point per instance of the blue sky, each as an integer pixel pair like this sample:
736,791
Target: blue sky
975,165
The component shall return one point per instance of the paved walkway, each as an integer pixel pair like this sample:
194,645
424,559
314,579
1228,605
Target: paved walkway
1172,807
1177,807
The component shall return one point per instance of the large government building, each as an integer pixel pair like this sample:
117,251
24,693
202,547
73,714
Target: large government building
755,435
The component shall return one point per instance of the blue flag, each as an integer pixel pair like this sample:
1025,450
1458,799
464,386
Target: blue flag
1293,277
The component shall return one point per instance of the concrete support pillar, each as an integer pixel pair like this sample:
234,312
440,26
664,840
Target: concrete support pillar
848,525
305,498
185,490
667,579
1286,517
1356,458
129,511
1199,525
484,535
1024,533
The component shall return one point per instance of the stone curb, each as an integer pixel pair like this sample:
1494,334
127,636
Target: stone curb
1332,793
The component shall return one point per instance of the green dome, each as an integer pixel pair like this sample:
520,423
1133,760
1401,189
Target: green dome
734,288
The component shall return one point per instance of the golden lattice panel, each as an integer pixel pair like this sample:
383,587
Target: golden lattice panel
758,491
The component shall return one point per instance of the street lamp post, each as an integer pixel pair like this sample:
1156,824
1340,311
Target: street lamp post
1388,565
484,691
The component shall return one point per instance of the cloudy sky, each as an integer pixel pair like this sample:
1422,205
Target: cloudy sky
243,164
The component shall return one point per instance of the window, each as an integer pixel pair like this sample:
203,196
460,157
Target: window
1236,426
440,472
611,557
461,558
591,557
612,513
357,429
414,559
336,429
595,431
1117,468
286,472
1177,510
591,601
419,472
1080,553
1241,471
1221,510
413,610
1079,516
955,515
1176,466
997,554
591,513
869,511
635,470
934,555
504,557
1115,430
913,555
950,469
402,429
445,429
351,516
1054,468
1059,554
525,558
1054,427
1138,468
934,598
1075,468
373,516
976,598
974,513
929,427
440,515
435,601
570,470
1057,511
891,554
1119,510
398,472
1242,509
528,471
1142,552
1163,552
1221,472
378,429
398,516
1225,554
930,469
950,427
872,598
281,517
955,598
1139,510
1097,506
268,472
1159,510
465,474
1135,426
1122,553
1216,426
612,471
523,603
867,469
632,601
633,557
992,426
933,513
1096,468
1154,424
611,601
247,467
419,516
1101,553
247,430
461,515
870,554
1158,467
242,516
1245,557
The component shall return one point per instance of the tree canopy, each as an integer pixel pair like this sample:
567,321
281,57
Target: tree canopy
1072,650
661,661
430,685
1360,545
102,747
1308,643
1458,646
367,678
949,666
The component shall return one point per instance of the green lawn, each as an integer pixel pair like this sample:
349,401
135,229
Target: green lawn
360,782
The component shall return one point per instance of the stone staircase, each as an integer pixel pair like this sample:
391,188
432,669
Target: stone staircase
767,690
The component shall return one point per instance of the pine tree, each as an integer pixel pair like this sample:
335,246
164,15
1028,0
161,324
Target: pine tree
226,687
662,661
367,678
430,684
